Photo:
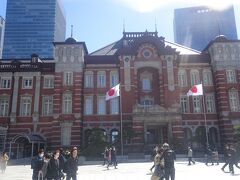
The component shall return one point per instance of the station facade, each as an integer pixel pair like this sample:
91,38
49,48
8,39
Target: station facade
57,102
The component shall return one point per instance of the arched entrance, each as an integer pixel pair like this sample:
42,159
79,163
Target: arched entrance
26,145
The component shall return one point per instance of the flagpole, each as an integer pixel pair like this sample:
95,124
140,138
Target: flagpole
205,118
121,124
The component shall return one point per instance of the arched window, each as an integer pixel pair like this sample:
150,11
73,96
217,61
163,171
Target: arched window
187,136
213,136
194,74
207,77
182,78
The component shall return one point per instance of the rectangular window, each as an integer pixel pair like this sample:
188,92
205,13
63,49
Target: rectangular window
184,104
5,83
114,106
88,105
47,104
27,83
48,82
197,104
182,81
233,101
26,106
210,103
207,78
101,105
231,76
68,78
88,80
101,80
67,103
194,78
66,134
146,84
4,106
114,79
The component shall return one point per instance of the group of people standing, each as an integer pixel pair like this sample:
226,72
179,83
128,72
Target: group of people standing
54,166
3,161
163,163
109,157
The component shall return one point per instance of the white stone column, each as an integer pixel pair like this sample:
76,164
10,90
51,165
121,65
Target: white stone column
14,99
36,99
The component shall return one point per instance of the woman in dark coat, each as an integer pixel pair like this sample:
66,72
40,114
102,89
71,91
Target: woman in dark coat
53,170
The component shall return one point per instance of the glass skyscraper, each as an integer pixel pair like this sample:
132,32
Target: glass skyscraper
2,25
31,27
195,27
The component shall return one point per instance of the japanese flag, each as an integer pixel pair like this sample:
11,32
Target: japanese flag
195,90
113,92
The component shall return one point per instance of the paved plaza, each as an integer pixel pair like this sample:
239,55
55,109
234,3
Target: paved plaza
131,171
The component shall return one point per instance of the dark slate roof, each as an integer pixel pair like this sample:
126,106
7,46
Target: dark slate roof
194,58
220,38
134,40
110,59
108,50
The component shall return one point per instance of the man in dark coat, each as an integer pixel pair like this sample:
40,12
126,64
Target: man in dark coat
71,166
37,163
169,156
53,169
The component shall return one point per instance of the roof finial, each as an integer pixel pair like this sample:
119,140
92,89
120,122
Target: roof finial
71,31
124,25
155,24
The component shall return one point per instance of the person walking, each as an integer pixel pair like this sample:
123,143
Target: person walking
3,161
105,156
209,155
169,157
158,173
71,166
62,161
53,169
226,157
190,155
43,172
154,153
37,163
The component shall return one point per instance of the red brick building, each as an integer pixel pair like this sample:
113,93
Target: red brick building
56,103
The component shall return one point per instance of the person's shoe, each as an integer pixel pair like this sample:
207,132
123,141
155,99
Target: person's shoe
193,162
222,169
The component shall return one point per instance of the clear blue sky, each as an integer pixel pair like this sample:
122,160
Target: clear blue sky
100,22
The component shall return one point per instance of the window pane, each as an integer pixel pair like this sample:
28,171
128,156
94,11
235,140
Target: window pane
114,106
88,105
146,84
101,105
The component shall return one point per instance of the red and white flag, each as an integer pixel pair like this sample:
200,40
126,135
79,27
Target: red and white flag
195,90
113,92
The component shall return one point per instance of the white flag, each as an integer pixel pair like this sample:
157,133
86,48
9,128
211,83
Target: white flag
195,90
113,92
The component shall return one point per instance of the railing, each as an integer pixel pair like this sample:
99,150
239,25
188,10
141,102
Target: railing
24,67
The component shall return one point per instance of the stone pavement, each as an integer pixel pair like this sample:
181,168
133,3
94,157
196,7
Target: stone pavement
132,171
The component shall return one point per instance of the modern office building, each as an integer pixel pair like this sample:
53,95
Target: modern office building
59,102
195,27
2,27
32,27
